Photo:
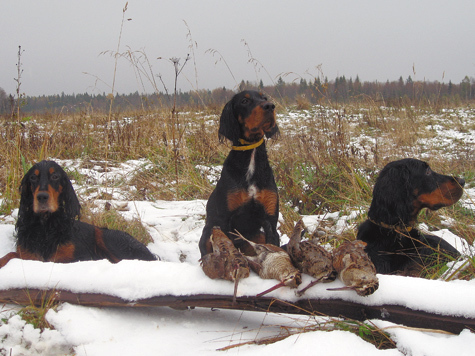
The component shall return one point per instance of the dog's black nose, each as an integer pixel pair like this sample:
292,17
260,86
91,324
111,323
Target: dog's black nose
461,181
268,107
42,197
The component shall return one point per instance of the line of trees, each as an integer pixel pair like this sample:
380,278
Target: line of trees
317,90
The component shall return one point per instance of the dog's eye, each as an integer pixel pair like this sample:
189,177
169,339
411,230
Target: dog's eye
33,178
245,101
55,176
428,171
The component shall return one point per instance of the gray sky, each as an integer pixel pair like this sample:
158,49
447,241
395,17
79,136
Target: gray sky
375,39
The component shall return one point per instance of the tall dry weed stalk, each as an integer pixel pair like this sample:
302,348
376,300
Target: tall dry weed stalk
178,131
145,75
19,94
14,136
116,56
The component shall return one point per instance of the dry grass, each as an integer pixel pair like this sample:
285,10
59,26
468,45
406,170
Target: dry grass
36,314
367,331
323,161
326,158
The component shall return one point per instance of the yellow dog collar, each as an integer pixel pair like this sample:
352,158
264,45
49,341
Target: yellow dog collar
247,145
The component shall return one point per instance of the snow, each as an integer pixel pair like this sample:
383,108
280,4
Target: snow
176,228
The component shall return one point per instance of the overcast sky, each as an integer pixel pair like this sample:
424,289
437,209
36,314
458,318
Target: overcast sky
374,39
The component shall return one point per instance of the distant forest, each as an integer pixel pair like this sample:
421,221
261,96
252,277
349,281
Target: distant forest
303,93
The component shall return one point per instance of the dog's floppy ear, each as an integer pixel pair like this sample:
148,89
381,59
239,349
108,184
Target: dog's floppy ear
228,124
26,195
274,132
69,199
392,196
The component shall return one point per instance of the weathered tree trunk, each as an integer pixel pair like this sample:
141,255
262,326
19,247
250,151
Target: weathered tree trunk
320,307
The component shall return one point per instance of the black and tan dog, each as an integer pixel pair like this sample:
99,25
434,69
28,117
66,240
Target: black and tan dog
245,198
48,230
402,190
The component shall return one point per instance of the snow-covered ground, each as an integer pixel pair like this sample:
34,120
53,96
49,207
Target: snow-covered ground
175,227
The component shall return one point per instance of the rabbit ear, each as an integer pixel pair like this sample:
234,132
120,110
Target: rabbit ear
392,196
228,124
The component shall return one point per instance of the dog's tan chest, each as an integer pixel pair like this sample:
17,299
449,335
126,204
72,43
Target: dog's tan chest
265,197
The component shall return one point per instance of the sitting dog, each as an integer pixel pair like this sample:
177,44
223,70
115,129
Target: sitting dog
47,229
245,198
402,190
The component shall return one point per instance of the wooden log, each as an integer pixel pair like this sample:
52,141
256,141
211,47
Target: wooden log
320,307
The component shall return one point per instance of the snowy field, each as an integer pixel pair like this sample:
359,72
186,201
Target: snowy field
175,227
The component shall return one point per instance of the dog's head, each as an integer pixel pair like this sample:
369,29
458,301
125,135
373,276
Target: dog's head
46,189
248,116
406,186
